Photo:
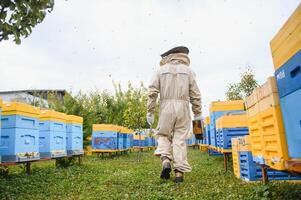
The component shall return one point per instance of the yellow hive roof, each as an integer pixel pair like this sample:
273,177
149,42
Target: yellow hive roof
226,105
73,119
16,108
232,121
53,116
111,127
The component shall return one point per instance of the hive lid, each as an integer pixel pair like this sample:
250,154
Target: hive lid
106,127
226,105
17,108
232,121
73,119
53,116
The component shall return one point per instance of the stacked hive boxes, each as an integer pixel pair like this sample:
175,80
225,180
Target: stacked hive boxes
53,134
228,127
286,52
244,166
217,110
20,132
74,139
110,137
266,126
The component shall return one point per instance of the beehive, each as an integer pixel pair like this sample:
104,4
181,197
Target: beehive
266,127
74,139
53,134
20,132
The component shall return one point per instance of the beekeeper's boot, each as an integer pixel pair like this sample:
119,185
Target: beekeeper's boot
179,177
166,168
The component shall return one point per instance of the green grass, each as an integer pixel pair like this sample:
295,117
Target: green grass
124,177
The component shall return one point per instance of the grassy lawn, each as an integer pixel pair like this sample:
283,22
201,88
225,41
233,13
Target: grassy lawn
124,177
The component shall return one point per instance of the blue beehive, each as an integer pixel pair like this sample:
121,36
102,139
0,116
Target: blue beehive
74,139
215,116
230,126
20,133
106,137
52,134
291,112
249,171
288,76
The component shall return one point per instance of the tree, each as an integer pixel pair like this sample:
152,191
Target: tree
18,17
244,88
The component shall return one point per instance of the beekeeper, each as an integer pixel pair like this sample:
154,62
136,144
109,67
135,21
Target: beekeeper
176,83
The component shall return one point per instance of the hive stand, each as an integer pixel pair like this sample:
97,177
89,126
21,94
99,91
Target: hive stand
27,164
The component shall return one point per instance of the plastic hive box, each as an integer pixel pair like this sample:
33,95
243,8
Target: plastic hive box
287,42
252,99
20,132
249,171
291,112
74,138
289,75
52,134
229,126
226,134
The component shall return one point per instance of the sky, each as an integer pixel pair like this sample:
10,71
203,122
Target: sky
85,45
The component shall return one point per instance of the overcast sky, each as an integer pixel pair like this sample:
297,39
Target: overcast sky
83,45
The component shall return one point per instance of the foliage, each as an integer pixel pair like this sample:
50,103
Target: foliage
244,88
124,178
18,17
124,107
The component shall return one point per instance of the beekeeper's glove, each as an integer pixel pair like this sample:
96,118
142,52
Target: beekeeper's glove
198,118
150,118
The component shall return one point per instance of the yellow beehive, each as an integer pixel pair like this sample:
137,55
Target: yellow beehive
232,121
53,116
275,150
287,41
266,126
235,157
73,119
226,105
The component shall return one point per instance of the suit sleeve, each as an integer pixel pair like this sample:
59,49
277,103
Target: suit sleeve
195,96
153,91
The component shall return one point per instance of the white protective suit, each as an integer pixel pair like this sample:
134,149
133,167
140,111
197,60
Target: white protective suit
176,83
